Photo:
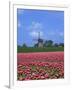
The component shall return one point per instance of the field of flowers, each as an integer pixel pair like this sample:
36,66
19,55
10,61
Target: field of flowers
37,66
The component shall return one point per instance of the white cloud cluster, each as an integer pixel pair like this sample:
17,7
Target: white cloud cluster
35,33
35,28
61,34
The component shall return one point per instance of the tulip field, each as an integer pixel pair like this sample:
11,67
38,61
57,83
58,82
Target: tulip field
40,65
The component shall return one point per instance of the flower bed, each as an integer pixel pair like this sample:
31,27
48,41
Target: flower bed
40,70
43,65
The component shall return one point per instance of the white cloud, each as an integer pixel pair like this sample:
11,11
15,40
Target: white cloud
19,24
35,34
55,33
35,26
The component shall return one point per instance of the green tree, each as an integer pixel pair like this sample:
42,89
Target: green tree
48,43
36,45
24,45
56,45
61,44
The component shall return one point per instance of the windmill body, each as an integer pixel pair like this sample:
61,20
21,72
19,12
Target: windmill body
39,41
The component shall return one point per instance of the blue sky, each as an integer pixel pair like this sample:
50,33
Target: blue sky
49,23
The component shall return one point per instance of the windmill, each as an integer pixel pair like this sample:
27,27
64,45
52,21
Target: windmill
39,41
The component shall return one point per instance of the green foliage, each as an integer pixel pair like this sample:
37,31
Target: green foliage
24,45
36,49
47,47
56,45
36,45
61,44
48,43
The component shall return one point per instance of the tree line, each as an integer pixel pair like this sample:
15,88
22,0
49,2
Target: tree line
47,43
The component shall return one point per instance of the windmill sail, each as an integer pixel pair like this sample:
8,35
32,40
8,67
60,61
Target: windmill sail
38,35
39,40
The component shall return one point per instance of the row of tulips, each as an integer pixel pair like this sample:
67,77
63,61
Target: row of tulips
41,57
40,70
